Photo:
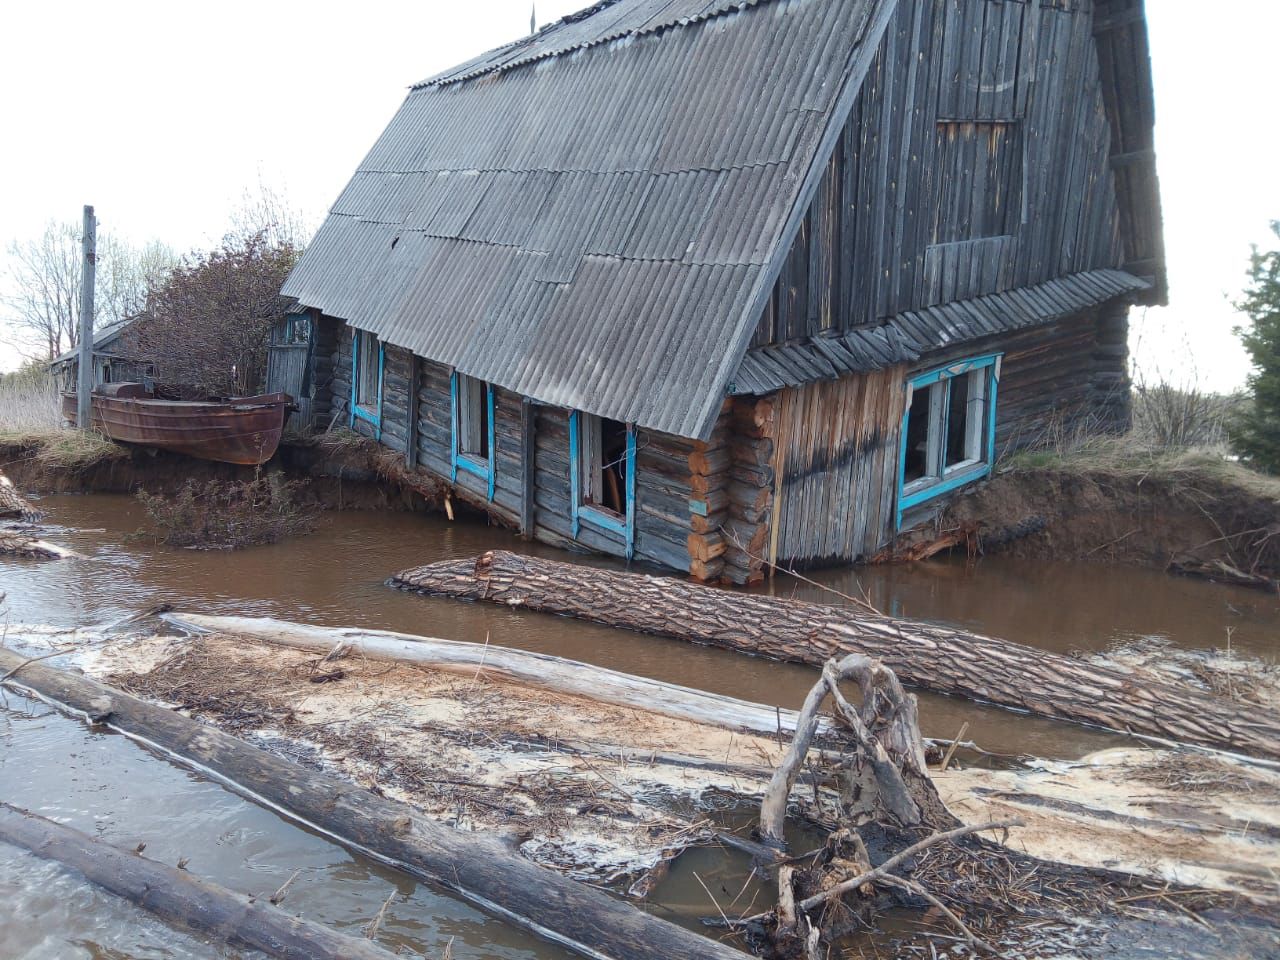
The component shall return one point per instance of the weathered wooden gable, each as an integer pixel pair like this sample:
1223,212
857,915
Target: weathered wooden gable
975,160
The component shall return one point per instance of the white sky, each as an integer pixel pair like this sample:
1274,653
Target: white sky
162,114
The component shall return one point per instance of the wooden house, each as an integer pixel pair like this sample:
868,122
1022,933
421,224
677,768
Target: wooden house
116,359
718,283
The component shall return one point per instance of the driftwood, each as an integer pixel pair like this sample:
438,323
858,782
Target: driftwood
884,782
30,548
522,666
889,793
479,868
1220,571
178,897
925,655
14,504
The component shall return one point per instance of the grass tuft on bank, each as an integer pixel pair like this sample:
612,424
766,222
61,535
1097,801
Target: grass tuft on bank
31,423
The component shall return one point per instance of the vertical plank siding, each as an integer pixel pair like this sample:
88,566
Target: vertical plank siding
977,159
837,443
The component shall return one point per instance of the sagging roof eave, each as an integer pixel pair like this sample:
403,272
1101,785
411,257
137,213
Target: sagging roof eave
855,75
917,336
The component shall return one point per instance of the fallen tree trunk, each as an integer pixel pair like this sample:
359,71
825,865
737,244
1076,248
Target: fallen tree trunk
522,666
925,655
30,548
14,504
178,897
479,868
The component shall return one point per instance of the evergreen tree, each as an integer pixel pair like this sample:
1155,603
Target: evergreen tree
1258,430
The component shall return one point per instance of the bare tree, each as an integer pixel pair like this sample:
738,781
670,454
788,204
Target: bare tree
268,212
42,280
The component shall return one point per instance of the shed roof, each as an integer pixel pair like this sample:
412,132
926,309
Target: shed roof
104,338
592,216
910,336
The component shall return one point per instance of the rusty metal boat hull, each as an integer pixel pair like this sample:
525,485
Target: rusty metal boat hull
244,430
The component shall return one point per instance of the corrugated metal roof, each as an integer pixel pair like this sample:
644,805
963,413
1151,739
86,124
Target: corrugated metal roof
590,216
909,336
103,338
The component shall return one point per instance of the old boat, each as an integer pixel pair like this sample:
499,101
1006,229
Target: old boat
243,430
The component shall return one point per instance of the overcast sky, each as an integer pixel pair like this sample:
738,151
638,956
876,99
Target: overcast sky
162,114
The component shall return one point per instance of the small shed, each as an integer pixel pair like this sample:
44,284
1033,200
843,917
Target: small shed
717,284
115,359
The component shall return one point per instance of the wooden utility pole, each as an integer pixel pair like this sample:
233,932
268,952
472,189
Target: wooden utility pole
84,383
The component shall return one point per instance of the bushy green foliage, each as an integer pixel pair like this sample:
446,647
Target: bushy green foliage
1258,428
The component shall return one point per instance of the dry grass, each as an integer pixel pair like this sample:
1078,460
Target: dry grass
1134,456
31,418
30,403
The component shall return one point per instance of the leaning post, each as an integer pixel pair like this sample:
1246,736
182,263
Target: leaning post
84,382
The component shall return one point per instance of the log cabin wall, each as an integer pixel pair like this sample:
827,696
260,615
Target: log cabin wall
340,389
1059,380
435,445
961,172
665,497
324,360
836,466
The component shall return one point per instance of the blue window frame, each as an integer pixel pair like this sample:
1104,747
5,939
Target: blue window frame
948,430
368,358
474,442
602,476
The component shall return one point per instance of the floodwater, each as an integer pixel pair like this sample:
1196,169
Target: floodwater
105,784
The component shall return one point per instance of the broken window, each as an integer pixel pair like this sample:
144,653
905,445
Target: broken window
603,463
947,438
367,377
474,423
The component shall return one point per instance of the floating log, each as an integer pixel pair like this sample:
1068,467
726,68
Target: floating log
31,548
177,896
479,868
925,655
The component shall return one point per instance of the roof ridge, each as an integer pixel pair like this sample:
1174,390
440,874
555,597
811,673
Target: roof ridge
488,63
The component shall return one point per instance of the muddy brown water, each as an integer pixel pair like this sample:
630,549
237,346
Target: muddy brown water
335,577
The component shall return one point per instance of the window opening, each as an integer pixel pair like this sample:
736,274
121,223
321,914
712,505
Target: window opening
368,370
473,417
947,430
606,465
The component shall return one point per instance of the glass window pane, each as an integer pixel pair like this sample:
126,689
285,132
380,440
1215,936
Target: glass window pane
958,421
